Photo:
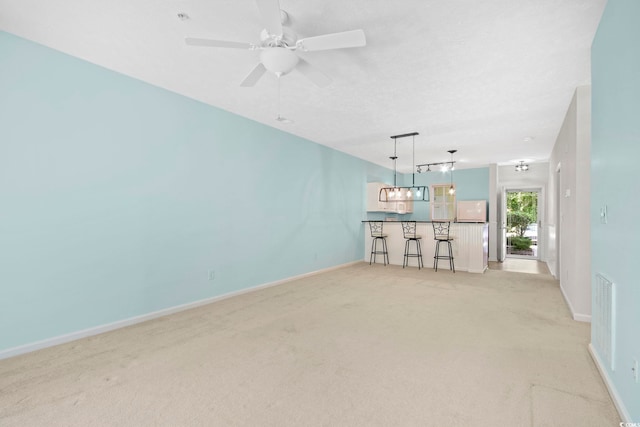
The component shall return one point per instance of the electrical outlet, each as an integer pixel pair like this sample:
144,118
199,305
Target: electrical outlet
634,370
212,275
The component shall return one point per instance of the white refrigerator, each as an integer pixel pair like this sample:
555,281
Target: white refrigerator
472,211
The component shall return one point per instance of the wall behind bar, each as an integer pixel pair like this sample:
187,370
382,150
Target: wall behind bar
471,184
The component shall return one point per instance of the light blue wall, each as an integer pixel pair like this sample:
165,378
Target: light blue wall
471,184
615,151
117,197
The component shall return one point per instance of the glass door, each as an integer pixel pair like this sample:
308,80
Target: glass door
522,223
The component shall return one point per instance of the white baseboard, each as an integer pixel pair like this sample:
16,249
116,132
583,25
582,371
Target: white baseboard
61,339
553,273
622,410
576,316
582,317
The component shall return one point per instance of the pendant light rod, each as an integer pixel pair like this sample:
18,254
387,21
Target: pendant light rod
395,155
452,190
413,160
395,159
405,134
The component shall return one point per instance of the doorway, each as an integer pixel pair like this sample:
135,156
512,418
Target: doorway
522,223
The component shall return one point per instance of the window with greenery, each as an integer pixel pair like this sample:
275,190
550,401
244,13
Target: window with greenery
443,202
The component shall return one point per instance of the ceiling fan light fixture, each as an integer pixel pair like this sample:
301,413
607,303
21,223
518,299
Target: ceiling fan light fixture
279,60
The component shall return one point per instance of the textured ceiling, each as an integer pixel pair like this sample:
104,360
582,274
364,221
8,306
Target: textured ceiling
492,78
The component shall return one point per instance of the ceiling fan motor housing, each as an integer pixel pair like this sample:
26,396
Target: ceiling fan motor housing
287,38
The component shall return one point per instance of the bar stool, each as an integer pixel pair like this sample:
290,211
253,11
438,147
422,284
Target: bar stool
377,234
441,235
409,232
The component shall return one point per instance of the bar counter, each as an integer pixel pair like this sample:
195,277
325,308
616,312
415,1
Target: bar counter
470,245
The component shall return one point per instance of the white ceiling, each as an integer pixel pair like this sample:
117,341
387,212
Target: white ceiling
479,76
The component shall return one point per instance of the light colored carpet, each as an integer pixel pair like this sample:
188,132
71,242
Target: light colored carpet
358,346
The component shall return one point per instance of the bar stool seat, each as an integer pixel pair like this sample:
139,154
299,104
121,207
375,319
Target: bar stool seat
378,235
409,232
441,234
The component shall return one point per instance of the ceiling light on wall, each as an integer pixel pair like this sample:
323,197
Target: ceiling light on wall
416,193
522,167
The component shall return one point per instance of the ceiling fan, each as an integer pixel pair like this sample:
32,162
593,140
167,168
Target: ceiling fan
278,44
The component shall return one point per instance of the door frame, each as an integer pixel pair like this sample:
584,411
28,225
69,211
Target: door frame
502,224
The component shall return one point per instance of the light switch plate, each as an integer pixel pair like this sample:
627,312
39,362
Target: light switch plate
603,215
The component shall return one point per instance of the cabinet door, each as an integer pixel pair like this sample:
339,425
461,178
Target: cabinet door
443,205
373,193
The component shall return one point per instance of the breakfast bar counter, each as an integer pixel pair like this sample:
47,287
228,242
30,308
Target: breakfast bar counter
470,245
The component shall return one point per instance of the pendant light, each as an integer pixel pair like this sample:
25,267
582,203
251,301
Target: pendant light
398,193
452,189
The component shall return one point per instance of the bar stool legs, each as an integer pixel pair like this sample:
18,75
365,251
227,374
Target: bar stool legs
438,256
375,251
417,253
441,235
377,234
409,229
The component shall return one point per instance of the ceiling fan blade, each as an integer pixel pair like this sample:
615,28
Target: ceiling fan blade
217,43
353,38
253,77
319,78
270,10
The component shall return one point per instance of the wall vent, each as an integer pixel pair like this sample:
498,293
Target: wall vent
604,317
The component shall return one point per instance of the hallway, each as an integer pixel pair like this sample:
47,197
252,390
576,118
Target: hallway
520,265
